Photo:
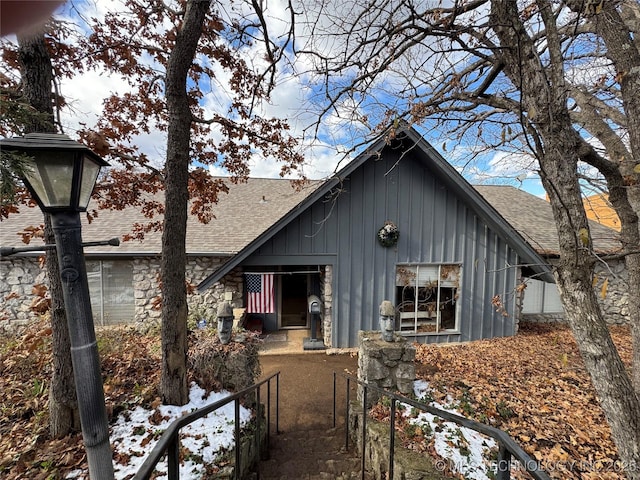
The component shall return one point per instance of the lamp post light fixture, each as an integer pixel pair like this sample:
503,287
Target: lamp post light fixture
60,175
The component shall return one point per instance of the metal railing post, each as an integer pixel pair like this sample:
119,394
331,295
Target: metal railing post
258,429
334,399
503,470
346,435
364,428
392,436
173,458
268,414
236,470
278,404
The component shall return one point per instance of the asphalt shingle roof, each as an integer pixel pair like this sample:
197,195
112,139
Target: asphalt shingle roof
532,217
250,208
241,215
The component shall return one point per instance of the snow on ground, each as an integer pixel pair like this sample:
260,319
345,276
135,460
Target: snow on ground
465,451
135,433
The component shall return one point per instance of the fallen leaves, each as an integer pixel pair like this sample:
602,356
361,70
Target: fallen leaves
535,387
130,367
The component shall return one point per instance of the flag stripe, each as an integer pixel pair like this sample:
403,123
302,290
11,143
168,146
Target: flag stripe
260,298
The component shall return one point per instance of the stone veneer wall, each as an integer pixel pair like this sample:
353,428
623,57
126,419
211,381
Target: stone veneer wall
390,366
326,281
20,274
386,365
146,288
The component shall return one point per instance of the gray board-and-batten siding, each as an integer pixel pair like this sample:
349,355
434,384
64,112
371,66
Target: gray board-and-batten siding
441,219
435,227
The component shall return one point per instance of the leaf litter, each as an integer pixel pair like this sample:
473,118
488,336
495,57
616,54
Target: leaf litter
130,363
533,385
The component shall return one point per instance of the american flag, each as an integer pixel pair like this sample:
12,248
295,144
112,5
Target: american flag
260,293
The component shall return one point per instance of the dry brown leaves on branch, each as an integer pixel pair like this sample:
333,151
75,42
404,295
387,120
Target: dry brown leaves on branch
535,387
215,366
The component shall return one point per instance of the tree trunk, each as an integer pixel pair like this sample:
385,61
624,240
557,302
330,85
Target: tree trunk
63,405
37,75
574,276
173,384
623,52
546,116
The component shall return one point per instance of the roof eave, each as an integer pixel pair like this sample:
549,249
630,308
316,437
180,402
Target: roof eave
267,234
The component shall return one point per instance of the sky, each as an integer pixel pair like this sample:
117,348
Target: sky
290,100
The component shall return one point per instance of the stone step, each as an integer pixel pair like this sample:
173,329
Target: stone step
310,454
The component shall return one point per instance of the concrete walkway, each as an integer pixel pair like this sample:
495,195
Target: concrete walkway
308,447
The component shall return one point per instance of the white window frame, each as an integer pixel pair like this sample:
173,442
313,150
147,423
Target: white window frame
541,297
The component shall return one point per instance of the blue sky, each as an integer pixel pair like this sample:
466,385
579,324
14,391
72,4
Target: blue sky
291,99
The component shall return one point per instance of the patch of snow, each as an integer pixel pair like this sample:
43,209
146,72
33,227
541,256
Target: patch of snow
464,450
204,438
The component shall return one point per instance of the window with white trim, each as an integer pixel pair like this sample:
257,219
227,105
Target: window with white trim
427,297
111,291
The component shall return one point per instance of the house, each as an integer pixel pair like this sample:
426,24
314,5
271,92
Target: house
452,270
123,280
453,273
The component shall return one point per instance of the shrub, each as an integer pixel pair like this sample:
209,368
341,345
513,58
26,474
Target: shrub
215,366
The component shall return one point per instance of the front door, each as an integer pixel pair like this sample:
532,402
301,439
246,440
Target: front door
294,290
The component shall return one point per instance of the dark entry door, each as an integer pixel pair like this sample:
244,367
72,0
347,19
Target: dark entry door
293,303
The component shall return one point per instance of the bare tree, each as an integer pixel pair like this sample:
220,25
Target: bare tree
559,80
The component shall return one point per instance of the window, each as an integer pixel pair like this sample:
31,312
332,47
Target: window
427,296
111,291
541,297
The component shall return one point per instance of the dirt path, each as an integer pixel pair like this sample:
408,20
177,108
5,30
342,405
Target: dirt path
308,447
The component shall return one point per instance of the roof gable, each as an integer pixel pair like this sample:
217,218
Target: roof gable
406,139
599,208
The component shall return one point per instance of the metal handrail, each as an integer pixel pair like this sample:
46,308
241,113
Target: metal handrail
507,447
169,442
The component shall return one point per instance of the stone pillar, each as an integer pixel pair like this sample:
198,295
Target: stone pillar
388,365
327,295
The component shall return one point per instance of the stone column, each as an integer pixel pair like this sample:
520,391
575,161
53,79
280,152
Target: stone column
327,296
388,365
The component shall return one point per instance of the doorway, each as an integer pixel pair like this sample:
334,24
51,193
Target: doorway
294,290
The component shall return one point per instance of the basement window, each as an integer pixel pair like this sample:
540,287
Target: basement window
427,298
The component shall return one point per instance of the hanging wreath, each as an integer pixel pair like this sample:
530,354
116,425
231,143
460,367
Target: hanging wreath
388,235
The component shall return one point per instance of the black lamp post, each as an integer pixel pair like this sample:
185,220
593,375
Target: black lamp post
61,175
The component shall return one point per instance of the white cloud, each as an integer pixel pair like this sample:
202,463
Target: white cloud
85,94
87,91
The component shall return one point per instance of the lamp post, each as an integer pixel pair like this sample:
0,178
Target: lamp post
60,175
